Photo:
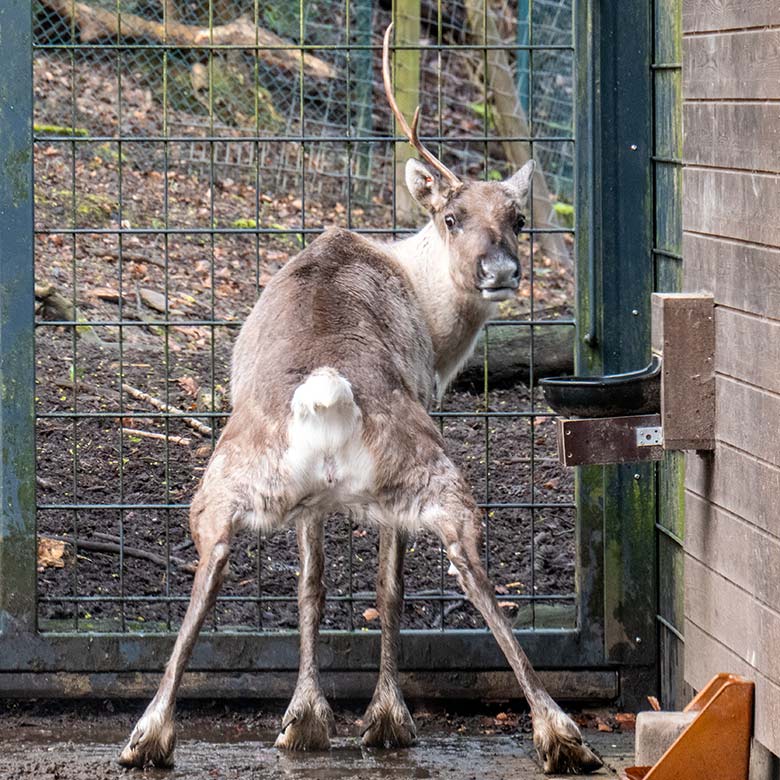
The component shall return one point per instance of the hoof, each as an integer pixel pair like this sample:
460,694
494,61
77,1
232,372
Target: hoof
559,744
307,725
388,723
151,743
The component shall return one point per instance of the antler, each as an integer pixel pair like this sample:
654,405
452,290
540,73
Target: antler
411,132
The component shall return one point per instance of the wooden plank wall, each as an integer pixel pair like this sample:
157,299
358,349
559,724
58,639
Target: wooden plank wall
731,247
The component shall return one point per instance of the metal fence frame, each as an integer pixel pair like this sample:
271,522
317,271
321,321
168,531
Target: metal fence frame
611,652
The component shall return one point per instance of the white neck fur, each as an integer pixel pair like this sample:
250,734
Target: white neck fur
454,318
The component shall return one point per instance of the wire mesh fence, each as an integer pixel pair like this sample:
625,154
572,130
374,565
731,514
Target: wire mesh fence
183,152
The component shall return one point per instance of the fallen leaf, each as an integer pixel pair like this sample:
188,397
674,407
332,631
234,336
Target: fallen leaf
189,385
508,604
603,726
370,614
654,703
50,553
626,721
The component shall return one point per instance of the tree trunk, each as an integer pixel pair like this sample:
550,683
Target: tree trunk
406,84
510,356
511,122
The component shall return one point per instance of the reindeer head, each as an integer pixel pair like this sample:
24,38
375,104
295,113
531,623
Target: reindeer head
477,221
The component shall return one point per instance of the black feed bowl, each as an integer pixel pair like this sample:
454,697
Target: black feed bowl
614,395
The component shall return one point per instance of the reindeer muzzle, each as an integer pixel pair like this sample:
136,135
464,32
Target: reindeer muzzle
498,276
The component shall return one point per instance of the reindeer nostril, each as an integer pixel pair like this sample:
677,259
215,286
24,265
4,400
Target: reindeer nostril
484,266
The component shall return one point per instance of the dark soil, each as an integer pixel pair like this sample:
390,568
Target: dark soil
188,281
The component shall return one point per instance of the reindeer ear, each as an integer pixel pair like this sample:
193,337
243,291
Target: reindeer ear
519,185
425,185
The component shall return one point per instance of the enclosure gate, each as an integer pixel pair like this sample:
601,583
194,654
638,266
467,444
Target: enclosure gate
150,232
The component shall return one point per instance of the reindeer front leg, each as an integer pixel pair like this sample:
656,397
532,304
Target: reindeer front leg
308,722
387,719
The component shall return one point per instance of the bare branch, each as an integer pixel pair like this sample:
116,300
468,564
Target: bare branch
96,23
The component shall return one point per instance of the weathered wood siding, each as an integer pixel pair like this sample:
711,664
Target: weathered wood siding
731,247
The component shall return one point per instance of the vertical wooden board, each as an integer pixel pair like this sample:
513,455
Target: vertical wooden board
739,483
705,15
748,348
668,223
668,108
747,419
732,66
631,563
667,82
732,205
733,548
684,333
733,135
740,276
671,561
589,546
667,31
705,657
671,670
671,493
406,83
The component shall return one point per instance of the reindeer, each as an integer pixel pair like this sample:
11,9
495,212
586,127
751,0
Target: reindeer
333,375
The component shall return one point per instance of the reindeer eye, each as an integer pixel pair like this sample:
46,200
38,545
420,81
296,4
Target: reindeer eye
519,223
450,221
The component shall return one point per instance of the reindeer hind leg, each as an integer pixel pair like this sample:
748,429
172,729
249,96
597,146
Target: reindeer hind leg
387,719
308,721
453,515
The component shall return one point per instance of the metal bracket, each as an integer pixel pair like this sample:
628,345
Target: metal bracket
584,441
650,437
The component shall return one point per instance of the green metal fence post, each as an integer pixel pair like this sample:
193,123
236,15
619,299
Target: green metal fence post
615,279
17,374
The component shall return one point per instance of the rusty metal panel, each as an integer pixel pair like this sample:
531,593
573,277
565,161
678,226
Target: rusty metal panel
601,440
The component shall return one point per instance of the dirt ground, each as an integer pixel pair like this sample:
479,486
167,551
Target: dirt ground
229,740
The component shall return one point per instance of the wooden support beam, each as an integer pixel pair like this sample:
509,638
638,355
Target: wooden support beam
683,328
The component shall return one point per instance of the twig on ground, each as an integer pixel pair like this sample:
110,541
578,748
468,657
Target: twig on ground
448,610
140,395
114,546
183,440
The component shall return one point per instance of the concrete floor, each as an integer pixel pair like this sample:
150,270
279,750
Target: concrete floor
65,751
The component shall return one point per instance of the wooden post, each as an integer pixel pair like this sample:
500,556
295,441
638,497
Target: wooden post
511,122
684,337
406,80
